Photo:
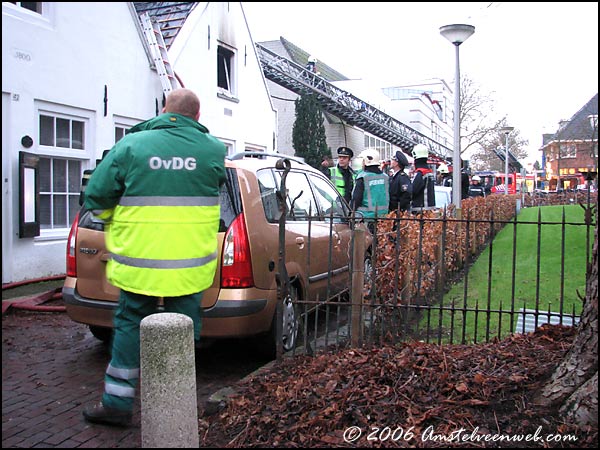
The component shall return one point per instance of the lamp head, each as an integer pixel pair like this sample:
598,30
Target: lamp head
457,33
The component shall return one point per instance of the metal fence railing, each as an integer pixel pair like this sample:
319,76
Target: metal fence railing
437,278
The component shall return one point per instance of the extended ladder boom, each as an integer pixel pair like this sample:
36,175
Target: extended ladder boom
159,53
513,162
344,105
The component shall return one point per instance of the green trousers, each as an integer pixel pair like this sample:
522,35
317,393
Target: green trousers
123,371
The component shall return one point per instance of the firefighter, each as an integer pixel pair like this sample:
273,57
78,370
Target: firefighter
476,189
311,64
158,192
423,182
445,176
371,195
400,184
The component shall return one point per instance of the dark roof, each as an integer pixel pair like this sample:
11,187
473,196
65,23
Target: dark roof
579,127
285,48
547,137
170,15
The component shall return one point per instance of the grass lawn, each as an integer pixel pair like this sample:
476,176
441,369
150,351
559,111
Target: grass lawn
549,275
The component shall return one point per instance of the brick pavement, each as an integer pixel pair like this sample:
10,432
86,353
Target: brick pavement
52,366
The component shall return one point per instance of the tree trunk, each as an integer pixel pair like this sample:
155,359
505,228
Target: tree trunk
574,384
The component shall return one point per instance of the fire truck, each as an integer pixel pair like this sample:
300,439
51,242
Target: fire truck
517,182
495,183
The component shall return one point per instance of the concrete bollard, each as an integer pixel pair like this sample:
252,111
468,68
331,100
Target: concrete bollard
169,408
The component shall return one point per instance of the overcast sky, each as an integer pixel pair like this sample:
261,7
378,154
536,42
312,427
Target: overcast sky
538,61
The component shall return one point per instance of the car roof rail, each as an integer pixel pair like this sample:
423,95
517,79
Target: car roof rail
262,155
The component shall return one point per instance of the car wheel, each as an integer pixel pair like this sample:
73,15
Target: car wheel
289,333
101,333
267,343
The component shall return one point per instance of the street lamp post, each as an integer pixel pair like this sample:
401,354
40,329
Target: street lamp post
506,131
457,34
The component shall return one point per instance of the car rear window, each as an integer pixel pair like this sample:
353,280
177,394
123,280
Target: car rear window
229,199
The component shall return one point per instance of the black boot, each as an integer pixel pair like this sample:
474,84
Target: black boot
98,413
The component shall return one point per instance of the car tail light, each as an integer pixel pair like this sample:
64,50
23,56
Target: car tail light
236,268
71,247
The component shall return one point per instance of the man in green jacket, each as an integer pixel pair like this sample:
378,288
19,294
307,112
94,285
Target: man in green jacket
158,192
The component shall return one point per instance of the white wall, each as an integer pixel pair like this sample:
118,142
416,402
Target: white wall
62,60
418,112
249,117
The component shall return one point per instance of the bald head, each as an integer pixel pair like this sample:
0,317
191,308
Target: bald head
184,102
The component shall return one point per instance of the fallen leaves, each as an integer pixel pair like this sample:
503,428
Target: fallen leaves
412,389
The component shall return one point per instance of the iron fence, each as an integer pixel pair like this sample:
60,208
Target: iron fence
440,278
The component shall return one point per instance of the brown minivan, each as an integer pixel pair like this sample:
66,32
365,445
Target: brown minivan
241,301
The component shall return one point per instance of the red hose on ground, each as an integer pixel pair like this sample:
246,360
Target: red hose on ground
35,303
34,280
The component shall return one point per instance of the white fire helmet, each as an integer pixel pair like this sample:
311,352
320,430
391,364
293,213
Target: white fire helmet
370,157
420,151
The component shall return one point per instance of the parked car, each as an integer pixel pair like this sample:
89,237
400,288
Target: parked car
241,301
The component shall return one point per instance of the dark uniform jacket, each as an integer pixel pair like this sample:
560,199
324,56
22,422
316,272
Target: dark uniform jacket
476,190
423,188
400,191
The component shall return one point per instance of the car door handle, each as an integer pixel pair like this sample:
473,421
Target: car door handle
336,236
300,242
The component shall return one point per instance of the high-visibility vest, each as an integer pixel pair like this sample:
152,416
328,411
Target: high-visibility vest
376,197
337,178
159,186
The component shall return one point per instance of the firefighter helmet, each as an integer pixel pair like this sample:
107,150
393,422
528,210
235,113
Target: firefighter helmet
443,168
420,151
370,157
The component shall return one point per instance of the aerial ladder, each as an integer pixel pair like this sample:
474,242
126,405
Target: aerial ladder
513,162
344,105
158,50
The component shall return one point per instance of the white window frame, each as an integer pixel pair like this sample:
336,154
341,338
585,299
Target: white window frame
383,147
229,145
55,118
45,19
254,148
568,150
230,72
124,123
57,230
52,152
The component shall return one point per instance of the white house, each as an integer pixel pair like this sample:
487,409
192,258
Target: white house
214,55
426,106
75,76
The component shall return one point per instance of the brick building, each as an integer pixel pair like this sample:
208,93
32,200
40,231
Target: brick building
570,154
